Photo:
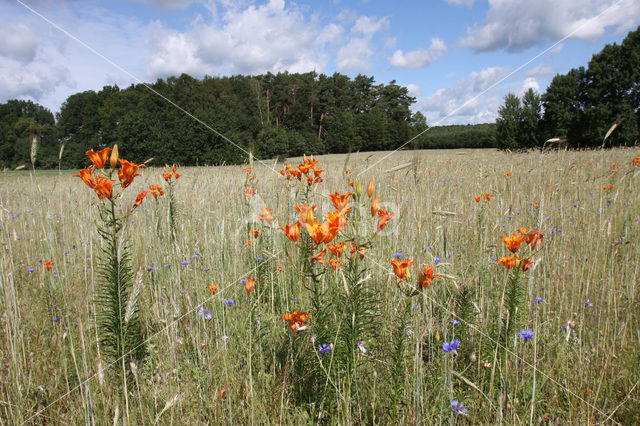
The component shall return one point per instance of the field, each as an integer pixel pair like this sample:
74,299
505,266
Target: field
553,341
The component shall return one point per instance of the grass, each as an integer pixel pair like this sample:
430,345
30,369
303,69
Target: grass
244,365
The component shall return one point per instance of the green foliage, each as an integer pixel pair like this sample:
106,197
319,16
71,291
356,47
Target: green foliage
508,123
453,137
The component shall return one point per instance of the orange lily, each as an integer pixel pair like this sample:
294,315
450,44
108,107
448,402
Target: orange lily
306,213
99,158
340,200
296,320
477,198
139,199
87,176
156,190
400,267
317,232
104,187
318,257
127,172
509,261
317,171
334,262
48,264
488,197
513,242
336,248
213,289
526,264
383,218
370,188
254,232
292,231
337,219
426,276
250,191
636,162
266,215
375,205
249,284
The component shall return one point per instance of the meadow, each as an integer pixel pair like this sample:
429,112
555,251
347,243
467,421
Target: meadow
456,337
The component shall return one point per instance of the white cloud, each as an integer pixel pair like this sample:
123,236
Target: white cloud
419,58
515,25
354,56
540,70
467,3
18,42
465,102
414,90
530,83
368,26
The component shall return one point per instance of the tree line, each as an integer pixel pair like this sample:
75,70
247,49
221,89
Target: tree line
579,107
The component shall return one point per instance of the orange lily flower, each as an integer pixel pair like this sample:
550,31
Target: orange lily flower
507,174
139,199
361,252
254,232
317,171
526,264
337,219
426,276
509,261
249,284
175,168
248,170
248,242
167,176
317,232
250,191
266,215
336,248
306,213
347,171
513,242
370,188
213,289
351,184
477,198
87,176
334,262
400,267
488,197
304,168
99,158
104,187
340,200
48,264
383,218
318,257
127,172
156,190
296,320
636,162
292,231
375,205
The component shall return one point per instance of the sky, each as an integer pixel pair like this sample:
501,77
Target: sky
458,58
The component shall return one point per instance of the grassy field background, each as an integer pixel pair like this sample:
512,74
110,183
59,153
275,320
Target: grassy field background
240,363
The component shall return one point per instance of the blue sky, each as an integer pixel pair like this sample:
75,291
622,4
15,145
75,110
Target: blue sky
453,55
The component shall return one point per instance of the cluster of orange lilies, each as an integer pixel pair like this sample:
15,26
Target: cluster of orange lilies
487,197
296,320
513,243
401,269
636,161
307,166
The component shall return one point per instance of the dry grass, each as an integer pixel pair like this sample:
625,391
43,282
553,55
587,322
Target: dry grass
229,369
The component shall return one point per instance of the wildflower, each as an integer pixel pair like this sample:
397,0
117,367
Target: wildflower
458,407
526,334
318,257
513,242
249,284
266,215
249,191
31,270
426,276
538,299
454,321
335,263
55,319
87,176
340,200
509,261
336,249
324,348
128,172
306,213
400,267
104,188
526,264
375,205
99,158
437,260
488,197
139,199
477,198
398,255
296,320
254,233
360,346
337,219
292,231
451,346
206,314
370,188
47,264
383,218
213,289
507,174
229,302
113,159
588,303
636,162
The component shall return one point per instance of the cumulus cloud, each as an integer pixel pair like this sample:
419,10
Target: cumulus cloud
466,101
368,26
18,42
354,56
516,25
540,70
530,83
419,58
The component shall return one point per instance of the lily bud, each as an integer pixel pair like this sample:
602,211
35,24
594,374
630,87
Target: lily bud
114,157
375,205
359,189
370,188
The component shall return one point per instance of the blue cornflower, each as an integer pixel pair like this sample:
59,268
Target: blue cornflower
458,407
437,260
429,247
243,281
206,314
229,302
294,298
74,246
588,303
165,265
185,262
206,269
451,346
526,334
538,299
398,255
258,259
30,270
56,319
324,348
454,321
195,256
416,307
